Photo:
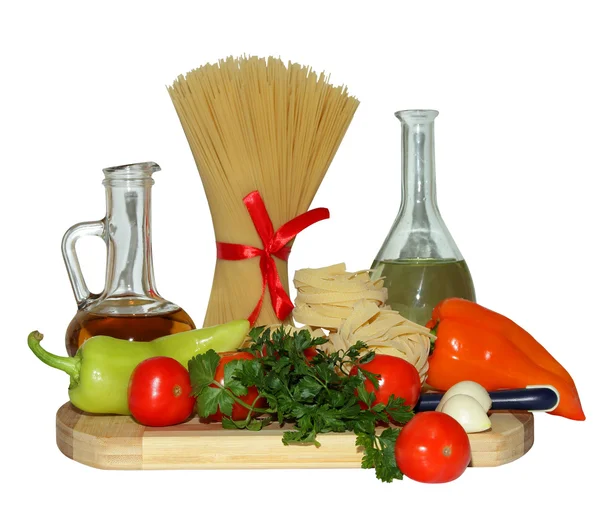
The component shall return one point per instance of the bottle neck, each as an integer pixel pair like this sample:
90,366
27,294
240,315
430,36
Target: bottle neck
129,269
418,232
418,166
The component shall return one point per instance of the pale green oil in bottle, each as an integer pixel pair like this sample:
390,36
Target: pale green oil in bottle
416,286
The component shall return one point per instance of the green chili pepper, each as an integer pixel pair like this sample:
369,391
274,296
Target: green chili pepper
101,368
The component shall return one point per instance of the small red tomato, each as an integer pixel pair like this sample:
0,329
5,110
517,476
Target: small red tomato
238,413
310,353
396,377
160,392
432,448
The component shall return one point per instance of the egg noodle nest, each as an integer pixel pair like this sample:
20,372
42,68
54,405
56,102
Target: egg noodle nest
351,307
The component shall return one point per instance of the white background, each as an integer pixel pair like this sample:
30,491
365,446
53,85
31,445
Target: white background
83,87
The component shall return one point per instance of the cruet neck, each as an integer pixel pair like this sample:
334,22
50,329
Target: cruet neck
130,175
129,270
418,158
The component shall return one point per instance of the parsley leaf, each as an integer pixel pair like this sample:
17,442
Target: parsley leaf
379,454
212,399
306,389
202,370
316,396
398,411
231,370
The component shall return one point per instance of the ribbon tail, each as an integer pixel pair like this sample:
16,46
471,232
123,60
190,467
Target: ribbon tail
292,228
280,300
256,311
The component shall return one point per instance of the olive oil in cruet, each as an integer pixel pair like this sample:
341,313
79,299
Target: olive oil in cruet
129,307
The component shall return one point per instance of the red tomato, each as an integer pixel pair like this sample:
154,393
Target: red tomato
239,412
396,377
159,392
432,448
310,353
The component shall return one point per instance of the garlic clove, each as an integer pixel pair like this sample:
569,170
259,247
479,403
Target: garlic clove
467,411
469,388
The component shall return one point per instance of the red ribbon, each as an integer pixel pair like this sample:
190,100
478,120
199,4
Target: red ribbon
274,244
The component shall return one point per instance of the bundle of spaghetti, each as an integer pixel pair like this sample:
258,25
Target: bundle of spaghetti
326,296
384,331
255,124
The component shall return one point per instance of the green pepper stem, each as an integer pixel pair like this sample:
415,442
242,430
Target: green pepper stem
69,365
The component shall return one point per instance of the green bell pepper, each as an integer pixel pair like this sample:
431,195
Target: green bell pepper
101,368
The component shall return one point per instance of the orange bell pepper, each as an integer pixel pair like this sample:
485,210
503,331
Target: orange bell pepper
475,343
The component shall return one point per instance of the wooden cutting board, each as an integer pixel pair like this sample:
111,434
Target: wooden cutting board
118,442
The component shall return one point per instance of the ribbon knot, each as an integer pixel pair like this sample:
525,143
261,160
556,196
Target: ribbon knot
274,244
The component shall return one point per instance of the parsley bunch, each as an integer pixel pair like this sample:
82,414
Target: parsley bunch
319,396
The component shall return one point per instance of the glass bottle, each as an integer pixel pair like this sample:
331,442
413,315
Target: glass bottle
420,261
130,306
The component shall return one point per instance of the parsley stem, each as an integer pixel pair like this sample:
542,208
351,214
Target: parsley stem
251,413
320,382
243,403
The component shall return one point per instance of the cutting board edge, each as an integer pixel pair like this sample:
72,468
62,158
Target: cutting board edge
112,452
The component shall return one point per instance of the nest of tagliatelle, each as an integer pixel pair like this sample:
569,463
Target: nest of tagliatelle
351,307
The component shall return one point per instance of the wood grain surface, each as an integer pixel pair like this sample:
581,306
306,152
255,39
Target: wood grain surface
118,442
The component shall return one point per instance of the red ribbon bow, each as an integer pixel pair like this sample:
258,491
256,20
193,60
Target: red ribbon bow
274,243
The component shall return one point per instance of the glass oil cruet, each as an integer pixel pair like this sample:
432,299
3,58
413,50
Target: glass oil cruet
129,307
420,261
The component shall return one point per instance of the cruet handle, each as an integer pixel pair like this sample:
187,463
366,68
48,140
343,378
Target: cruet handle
97,228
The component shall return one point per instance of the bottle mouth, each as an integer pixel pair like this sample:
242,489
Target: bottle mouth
414,117
129,172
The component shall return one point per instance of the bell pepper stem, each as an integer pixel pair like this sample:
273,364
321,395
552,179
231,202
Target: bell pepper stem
433,331
69,365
